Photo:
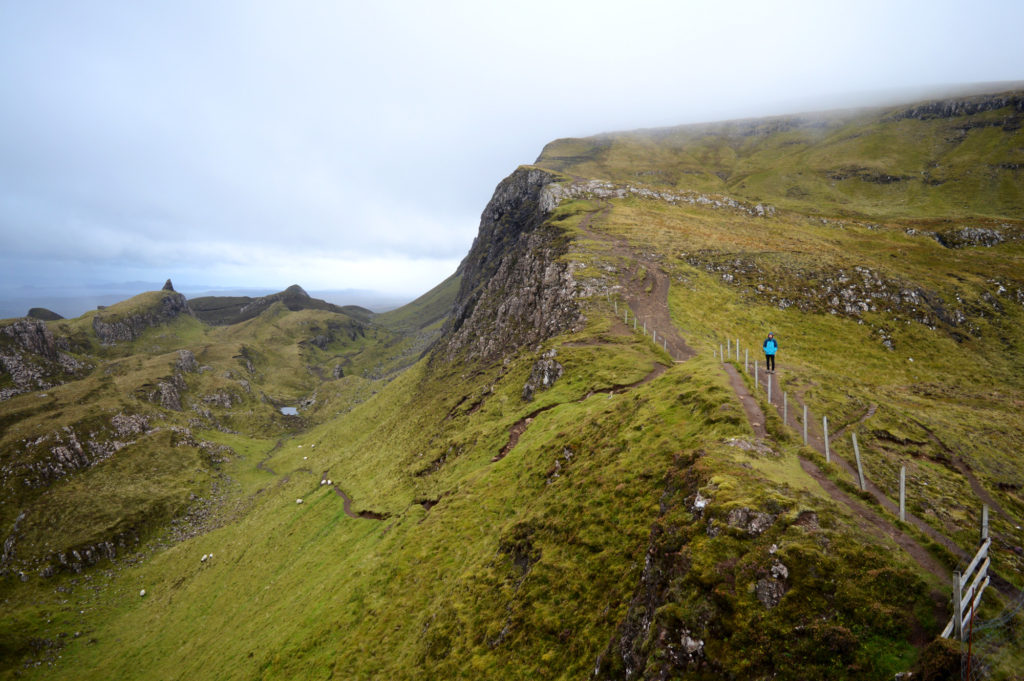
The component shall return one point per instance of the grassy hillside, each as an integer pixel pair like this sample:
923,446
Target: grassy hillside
598,504
894,163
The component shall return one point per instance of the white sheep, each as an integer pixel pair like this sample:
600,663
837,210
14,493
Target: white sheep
298,501
142,593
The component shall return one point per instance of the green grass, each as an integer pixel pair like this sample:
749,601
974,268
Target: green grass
582,547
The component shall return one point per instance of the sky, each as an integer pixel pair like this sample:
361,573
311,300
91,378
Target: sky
353,145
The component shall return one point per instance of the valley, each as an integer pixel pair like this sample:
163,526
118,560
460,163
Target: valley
544,467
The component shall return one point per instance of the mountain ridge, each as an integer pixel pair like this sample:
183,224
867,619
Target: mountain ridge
564,477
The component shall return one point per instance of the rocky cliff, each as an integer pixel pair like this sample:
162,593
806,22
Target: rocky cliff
517,289
114,327
31,358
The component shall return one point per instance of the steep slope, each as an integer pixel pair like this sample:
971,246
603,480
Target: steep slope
573,484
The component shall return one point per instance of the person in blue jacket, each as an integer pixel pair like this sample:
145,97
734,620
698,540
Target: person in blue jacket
770,346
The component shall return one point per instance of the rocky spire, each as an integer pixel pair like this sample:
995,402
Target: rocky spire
168,286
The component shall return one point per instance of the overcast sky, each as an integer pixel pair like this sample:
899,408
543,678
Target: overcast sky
354,144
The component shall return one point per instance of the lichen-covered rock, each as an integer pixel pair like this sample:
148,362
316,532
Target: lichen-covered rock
752,522
545,372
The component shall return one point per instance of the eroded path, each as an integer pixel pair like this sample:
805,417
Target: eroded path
816,440
644,288
866,518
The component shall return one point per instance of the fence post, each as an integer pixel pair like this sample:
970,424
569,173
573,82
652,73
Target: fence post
634,322
824,426
728,347
755,374
805,424
645,327
769,388
664,344
737,349
903,494
984,522
785,407
654,336
860,468
616,304
746,361
958,613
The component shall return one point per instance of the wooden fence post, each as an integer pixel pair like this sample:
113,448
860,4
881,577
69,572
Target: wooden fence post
634,322
664,344
785,407
616,304
720,353
824,426
755,374
984,522
769,388
737,349
903,494
654,336
805,424
746,361
860,468
728,347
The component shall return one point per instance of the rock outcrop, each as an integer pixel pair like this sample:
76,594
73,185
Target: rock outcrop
545,372
32,357
516,288
963,106
113,328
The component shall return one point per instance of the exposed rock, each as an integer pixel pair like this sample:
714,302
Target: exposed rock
554,194
752,522
113,329
515,289
771,588
543,375
338,371
168,392
168,286
963,106
186,362
769,591
966,237
34,336
220,398
127,425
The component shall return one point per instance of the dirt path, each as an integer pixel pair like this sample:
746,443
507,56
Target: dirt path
644,289
866,518
816,440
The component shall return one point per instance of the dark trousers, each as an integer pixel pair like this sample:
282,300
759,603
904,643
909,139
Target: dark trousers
769,362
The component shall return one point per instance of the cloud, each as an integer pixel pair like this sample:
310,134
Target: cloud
239,138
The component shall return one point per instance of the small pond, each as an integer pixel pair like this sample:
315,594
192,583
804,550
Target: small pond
289,411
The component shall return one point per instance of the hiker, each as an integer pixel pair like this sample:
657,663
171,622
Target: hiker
770,346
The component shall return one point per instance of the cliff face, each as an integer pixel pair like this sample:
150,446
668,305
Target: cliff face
112,328
31,358
516,288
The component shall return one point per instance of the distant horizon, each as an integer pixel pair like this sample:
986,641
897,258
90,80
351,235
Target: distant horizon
69,305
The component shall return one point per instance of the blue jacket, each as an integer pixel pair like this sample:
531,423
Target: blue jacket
770,346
